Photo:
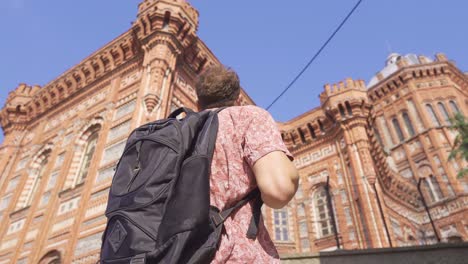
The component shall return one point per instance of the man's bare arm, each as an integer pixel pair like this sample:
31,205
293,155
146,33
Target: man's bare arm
277,179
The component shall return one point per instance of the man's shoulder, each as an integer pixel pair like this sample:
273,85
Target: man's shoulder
249,110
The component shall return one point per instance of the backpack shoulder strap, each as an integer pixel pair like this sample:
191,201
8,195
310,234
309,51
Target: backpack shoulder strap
180,111
220,109
219,218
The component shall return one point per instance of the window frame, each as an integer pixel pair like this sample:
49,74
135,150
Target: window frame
281,225
37,181
398,130
322,213
444,112
433,115
454,107
87,158
408,124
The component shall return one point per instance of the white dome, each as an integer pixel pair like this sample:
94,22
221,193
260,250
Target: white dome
392,58
391,65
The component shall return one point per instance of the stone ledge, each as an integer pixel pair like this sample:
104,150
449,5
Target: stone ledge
437,253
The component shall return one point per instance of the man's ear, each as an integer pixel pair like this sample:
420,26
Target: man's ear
238,100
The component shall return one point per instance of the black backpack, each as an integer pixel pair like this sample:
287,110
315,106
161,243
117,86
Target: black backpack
159,201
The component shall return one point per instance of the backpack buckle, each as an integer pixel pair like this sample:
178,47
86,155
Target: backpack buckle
217,219
138,259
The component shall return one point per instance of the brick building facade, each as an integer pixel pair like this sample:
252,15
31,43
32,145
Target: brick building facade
361,154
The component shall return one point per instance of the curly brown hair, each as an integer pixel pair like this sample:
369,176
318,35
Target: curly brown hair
218,86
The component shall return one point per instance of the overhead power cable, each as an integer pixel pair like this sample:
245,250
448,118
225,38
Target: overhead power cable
316,54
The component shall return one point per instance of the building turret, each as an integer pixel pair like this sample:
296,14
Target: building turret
166,31
345,99
14,112
347,103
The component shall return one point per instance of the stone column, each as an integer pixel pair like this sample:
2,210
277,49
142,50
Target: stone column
415,116
364,177
382,126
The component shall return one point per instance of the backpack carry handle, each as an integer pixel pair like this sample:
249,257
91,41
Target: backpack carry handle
180,111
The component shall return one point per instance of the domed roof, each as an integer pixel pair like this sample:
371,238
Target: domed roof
391,65
392,58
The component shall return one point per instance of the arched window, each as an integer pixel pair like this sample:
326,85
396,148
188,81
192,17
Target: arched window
322,213
427,190
293,138
322,128
444,112
52,257
87,157
398,131
299,193
303,230
378,137
454,107
348,108
312,131
280,220
384,129
432,189
432,114
167,19
436,187
37,180
300,209
342,111
408,124
301,134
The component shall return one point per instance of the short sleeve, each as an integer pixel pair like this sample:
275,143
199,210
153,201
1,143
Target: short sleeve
261,136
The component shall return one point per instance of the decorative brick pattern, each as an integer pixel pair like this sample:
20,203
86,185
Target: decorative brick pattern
34,173
62,225
113,153
95,210
125,109
119,131
16,226
88,244
105,175
79,148
8,243
68,206
22,164
314,157
12,184
338,140
31,234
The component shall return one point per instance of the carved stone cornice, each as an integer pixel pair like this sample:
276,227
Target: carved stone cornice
88,73
392,185
330,136
441,67
151,101
179,36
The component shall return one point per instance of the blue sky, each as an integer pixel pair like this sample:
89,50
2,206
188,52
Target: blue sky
267,42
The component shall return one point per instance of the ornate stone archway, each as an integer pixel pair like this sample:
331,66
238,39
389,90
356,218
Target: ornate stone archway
52,257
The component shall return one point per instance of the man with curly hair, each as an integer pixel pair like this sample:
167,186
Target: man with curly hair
249,153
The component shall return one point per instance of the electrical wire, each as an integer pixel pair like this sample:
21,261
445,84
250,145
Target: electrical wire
316,54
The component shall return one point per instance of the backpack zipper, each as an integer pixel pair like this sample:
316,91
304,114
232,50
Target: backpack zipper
138,144
160,141
136,170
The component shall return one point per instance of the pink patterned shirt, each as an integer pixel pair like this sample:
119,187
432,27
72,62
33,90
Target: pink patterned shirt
246,133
